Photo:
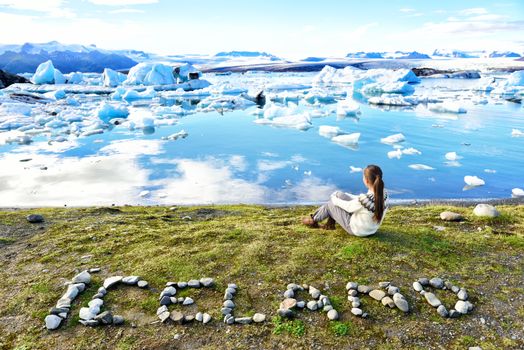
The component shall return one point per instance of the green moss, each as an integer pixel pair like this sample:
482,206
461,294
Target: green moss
294,327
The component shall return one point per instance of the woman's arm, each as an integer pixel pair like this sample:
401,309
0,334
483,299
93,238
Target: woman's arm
349,206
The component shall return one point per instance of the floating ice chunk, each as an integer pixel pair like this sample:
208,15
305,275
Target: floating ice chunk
228,89
411,151
347,140
517,133
45,73
150,74
131,95
59,77
452,156
75,78
298,121
281,87
348,107
490,171
473,181
421,167
272,111
516,78
392,100
55,95
169,110
13,108
285,97
179,135
447,107
183,72
517,192
307,173
318,96
107,111
329,131
392,139
353,169
140,118
395,154
112,78
377,88
479,100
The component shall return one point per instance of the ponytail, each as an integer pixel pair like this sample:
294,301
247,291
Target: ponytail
373,175
378,191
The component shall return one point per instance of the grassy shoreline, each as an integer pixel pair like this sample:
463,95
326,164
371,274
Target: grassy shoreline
262,249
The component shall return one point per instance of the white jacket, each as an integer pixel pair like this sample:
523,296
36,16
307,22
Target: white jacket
361,208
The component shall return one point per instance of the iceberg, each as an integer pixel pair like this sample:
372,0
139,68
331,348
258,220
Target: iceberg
347,140
318,96
348,107
186,72
421,167
112,78
395,154
474,181
516,78
392,139
107,111
517,133
46,73
150,74
131,95
411,151
329,131
75,78
452,156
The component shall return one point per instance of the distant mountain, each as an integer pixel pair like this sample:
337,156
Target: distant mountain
313,59
67,58
456,53
362,54
414,55
495,54
249,54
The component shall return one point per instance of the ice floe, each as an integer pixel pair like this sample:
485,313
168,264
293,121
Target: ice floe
348,107
329,131
421,167
107,111
347,140
473,181
447,107
393,139
517,133
179,135
452,156
392,100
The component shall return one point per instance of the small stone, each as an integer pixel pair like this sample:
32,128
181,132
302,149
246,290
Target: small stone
462,294
351,285
436,283
188,301
177,337
377,294
231,290
206,318
228,296
392,290
232,285
94,270
130,280
189,318
165,300
355,303
58,310
80,286
401,302
207,282
423,281
332,315
364,289
442,311
105,318
315,293
432,299
418,287
52,322
229,303
226,311
301,304
96,303
176,316
180,300
286,312
474,348
229,320
181,285
111,281
102,291
448,285
454,314
118,320
243,320
194,284
384,284
171,284
451,216
289,293
293,286
312,305
86,314
199,317
62,315
352,292
168,291
142,284
387,301
98,296
356,311
82,277
486,210
71,292
288,303
90,323
35,218
259,318
320,304
327,308
63,303
455,289
469,305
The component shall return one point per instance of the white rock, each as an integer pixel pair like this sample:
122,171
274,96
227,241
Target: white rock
111,281
96,303
86,314
486,210
52,322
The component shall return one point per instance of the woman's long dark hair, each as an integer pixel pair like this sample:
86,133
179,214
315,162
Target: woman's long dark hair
373,175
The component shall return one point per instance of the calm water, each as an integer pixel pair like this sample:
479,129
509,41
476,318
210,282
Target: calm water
230,159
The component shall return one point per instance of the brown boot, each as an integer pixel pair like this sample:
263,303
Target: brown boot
309,221
329,225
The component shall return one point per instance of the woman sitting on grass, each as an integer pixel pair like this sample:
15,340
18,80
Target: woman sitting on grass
359,215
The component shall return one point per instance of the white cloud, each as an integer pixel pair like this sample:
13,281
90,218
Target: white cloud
474,11
122,2
53,8
127,11
407,10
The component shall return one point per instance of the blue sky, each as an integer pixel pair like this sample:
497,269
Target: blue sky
286,28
